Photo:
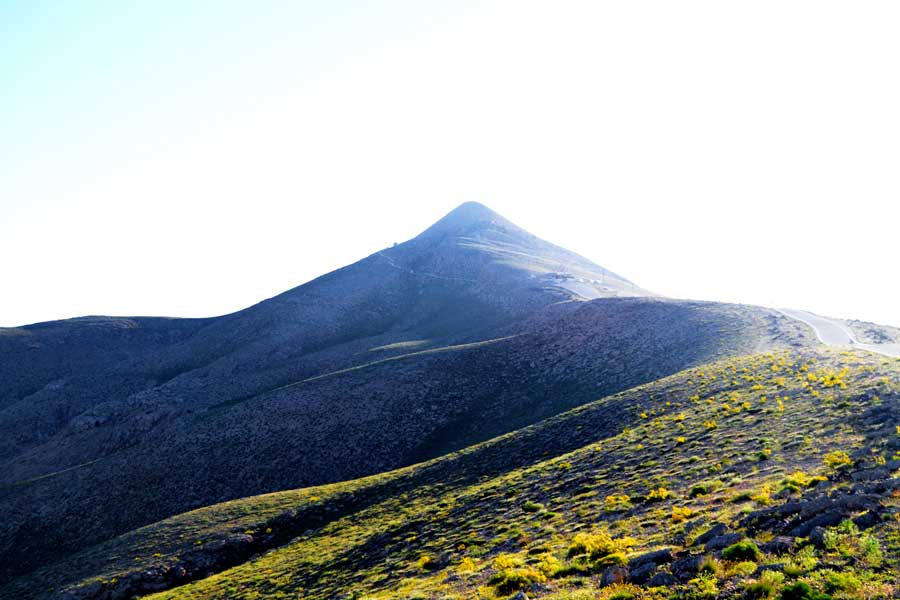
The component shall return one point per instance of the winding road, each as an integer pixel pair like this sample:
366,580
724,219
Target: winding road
834,333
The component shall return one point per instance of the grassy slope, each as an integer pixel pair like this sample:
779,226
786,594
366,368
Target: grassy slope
456,526
355,422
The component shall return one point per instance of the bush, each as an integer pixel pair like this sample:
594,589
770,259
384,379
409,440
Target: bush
798,480
658,495
617,502
507,581
844,581
710,567
766,586
742,551
599,545
532,507
802,591
681,514
744,568
837,459
698,490
616,558
621,591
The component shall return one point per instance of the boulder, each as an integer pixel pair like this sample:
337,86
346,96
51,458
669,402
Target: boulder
715,531
686,568
723,541
817,537
614,574
779,545
642,573
662,579
657,557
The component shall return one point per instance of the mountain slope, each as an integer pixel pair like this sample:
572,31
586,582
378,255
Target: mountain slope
743,448
469,330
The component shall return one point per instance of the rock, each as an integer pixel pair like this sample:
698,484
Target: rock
657,557
663,579
817,537
866,520
685,568
715,531
779,545
827,519
614,574
519,596
723,541
779,567
871,474
642,573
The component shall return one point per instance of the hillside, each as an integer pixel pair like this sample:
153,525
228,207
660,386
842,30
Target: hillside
469,330
747,477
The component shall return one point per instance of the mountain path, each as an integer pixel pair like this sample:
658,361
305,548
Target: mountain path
834,333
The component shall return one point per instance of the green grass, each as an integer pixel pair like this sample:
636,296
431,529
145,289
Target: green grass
505,515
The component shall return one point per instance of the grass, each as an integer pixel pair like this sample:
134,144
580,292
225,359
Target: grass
548,508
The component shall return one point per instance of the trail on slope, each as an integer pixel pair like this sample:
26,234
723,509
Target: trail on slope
834,333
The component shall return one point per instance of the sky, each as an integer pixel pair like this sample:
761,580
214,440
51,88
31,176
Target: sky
191,158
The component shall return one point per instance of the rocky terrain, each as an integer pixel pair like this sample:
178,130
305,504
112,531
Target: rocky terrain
769,475
873,333
473,329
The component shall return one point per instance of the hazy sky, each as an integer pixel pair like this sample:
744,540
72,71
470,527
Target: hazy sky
192,158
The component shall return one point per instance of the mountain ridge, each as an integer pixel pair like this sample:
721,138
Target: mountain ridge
113,423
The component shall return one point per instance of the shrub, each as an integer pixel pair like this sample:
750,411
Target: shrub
681,514
658,495
620,591
509,580
837,459
705,586
616,558
766,586
742,551
532,507
798,480
599,545
427,562
617,502
466,565
698,490
570,569
710,566
744,568
844,581
802,591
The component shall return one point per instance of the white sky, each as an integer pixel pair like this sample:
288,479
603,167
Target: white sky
162,161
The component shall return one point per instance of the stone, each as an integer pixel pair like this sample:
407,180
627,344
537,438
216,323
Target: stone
687,567
715,531
723,541
642,573
779,545
817,537
614,574
662,579
657,557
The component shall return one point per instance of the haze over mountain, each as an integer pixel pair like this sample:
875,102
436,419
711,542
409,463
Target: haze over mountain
467,331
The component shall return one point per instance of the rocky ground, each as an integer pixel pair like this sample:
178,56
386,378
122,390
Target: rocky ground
760,476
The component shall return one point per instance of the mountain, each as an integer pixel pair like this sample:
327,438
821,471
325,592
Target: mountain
749,477
470,330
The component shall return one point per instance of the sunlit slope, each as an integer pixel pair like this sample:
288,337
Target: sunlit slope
380,410
734,442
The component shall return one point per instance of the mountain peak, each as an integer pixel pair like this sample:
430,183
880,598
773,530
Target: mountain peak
464,217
